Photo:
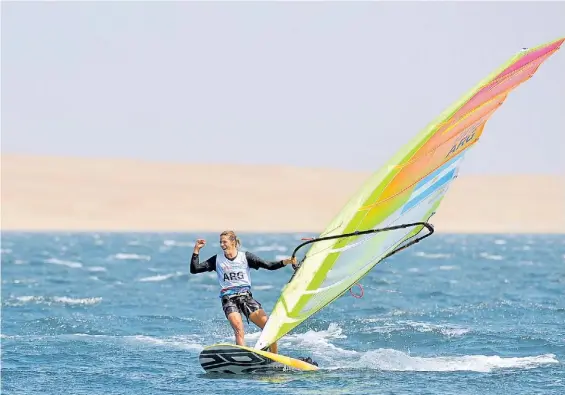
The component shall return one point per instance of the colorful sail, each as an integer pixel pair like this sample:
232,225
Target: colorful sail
408,189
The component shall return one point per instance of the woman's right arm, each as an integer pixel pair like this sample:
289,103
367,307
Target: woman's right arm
209,265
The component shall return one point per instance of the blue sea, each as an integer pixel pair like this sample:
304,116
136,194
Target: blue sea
119,313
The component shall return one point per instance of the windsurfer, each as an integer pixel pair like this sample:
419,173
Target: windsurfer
233,270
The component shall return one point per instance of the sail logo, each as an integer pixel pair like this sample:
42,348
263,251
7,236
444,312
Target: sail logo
465,139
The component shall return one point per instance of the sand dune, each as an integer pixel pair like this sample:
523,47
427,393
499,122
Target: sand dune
53,193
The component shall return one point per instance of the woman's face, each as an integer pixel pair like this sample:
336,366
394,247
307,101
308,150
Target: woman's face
226,243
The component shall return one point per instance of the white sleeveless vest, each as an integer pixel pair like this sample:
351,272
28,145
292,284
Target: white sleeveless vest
233,273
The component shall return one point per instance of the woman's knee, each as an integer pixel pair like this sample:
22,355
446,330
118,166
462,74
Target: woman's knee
259,317
236,323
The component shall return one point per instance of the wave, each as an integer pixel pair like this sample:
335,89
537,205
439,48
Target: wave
394,360
81,301
22,281
75,265
161,277
319,341
179,342
96,269
432,256
56,261
493,257
332,357
272,247
386,326
174,243
262,287
447,267
20,300
125,256
184,342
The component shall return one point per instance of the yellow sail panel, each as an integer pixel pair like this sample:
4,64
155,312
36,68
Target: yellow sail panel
407,190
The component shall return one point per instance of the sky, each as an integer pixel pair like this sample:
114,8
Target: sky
318,84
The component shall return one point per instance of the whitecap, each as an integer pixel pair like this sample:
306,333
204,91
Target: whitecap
125,256
55,299
174,243
56,261
160,277
96,268
491,256
262,287
178,342
432,256
272,247
423,327
29,298
73,301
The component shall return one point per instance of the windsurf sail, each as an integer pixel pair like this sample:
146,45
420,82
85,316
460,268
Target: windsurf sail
393,207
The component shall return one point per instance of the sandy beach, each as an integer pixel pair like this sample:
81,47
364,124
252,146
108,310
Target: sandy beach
75,194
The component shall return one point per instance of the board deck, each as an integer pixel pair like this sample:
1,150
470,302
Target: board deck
233,359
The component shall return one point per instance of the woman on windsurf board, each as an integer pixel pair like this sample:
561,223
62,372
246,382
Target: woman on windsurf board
233,270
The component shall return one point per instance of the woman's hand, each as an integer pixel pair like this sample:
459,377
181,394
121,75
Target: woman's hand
199,244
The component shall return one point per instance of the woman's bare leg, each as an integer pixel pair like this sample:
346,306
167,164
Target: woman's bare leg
237,324
259,318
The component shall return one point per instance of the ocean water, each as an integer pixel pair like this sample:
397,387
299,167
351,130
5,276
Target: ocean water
105,313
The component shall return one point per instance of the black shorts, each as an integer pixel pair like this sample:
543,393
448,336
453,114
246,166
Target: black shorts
240,303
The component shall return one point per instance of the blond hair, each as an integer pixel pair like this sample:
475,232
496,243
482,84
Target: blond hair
232,236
